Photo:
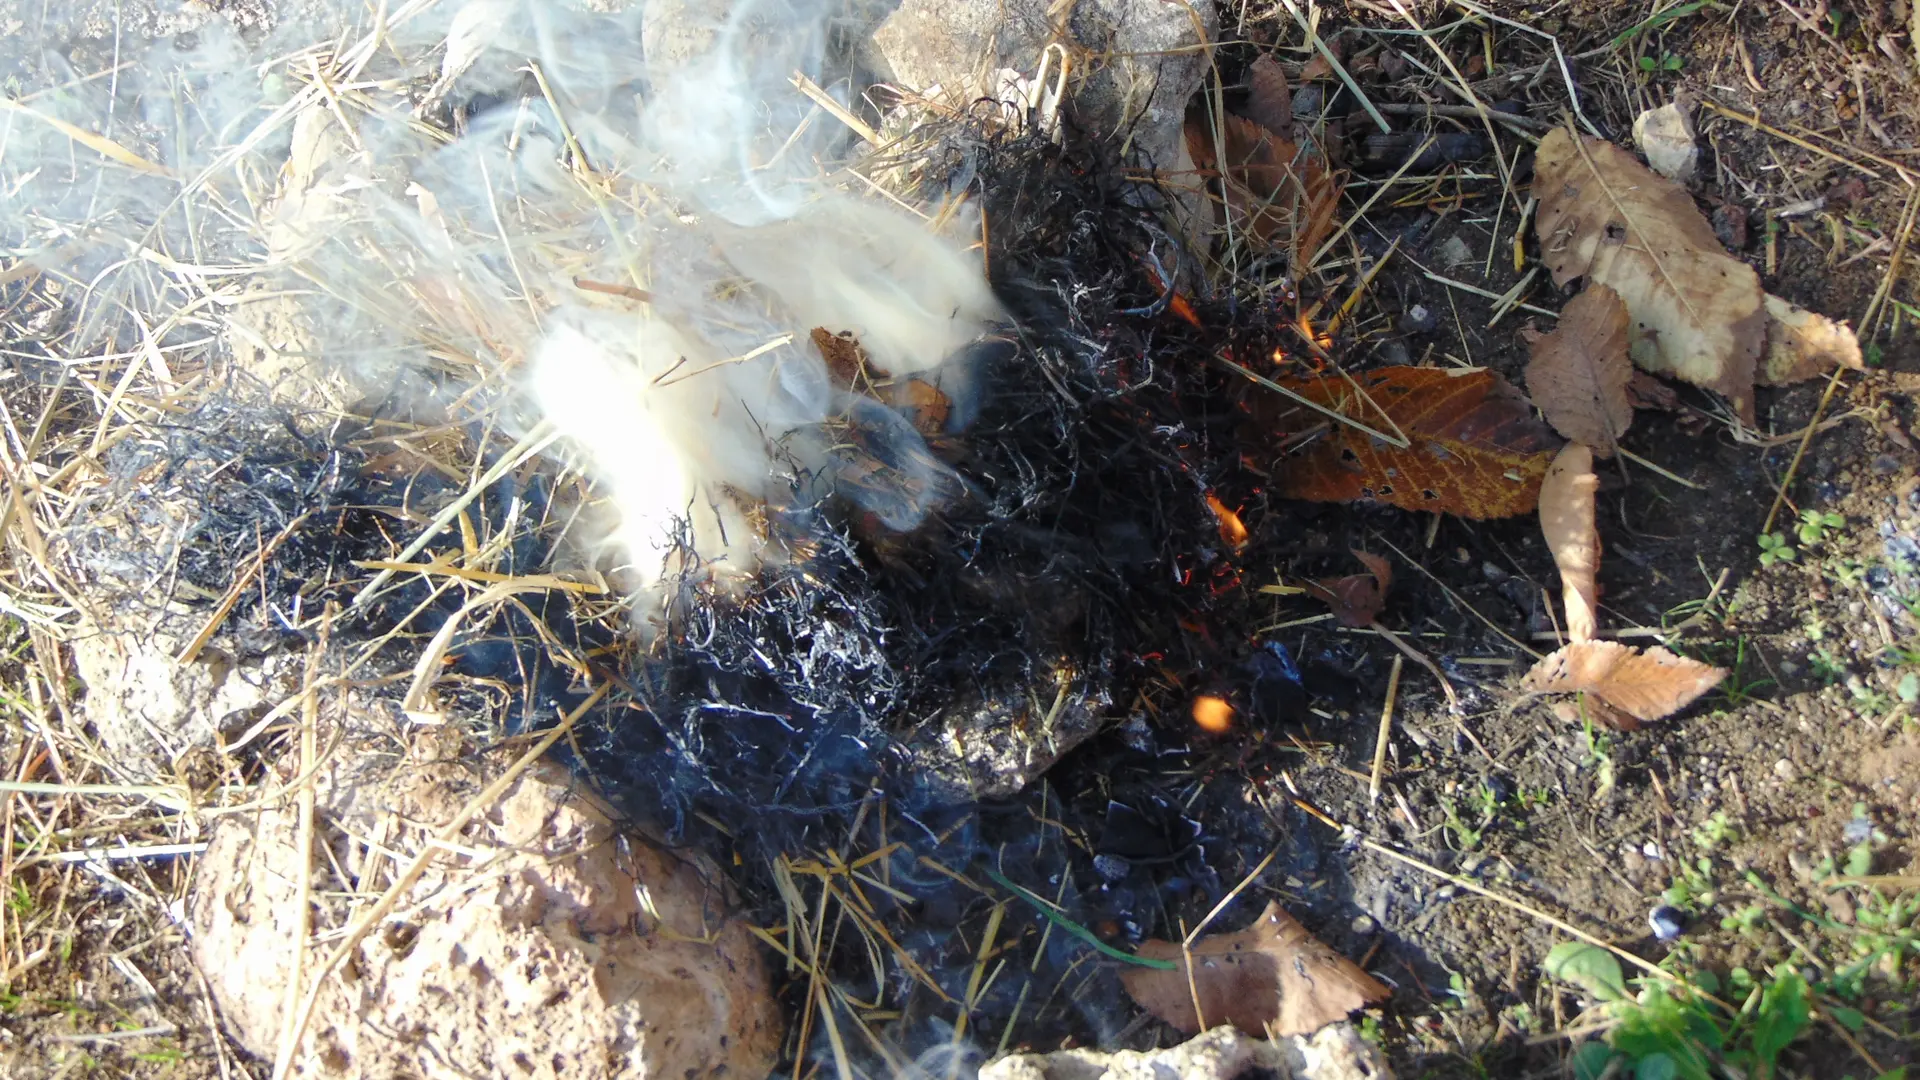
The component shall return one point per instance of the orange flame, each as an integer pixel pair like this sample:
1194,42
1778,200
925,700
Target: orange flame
1213,714
1232,532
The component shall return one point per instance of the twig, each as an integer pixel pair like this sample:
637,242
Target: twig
1386,727
1833,383
232,595
1320,46
839,112
1401,443
1651,467
1467,112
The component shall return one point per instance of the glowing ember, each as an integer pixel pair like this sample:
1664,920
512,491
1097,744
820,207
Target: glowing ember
1232,532
1212,713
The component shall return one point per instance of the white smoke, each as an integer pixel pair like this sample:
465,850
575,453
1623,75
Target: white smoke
662,155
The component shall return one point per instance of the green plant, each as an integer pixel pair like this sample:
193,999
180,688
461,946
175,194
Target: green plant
1714,831
1747,921
1692,888
1848,573
1668,63
1816,526
1739,688
1774,548
1676,1027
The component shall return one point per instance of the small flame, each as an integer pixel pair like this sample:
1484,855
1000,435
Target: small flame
1213,714
1232,532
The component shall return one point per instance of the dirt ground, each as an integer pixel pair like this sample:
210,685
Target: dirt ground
1743,814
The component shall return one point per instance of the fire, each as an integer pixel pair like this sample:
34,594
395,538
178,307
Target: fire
1232,532
1213,714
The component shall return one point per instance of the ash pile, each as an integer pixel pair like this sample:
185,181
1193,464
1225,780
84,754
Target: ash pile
762,469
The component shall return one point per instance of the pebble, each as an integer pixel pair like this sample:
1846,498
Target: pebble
1364,925
1667,922
1785,770
1418,319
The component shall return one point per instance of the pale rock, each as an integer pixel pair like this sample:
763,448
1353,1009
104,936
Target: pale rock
551,945
1134,64
1335,1052
992,749
1666,137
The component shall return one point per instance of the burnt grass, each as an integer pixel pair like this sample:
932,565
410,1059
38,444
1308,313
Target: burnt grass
777,724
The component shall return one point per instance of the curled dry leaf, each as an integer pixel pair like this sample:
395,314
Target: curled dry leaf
1643,685
1272,975
1474,449
1802,345
1578,374
1357,599
1269,99
1698,313
1276,191
1567,519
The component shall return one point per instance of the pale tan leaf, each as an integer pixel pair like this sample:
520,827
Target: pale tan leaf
1567,519
1802,345
1578,374
1646,686
1272,975
1697,313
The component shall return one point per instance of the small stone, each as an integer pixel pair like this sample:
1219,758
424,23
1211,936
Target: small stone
1418,319
1665,135
1363,925
1730,226
1786,770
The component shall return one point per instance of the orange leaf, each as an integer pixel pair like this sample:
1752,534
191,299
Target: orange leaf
1272,974
1356,600
1276,191
1646,686
1475,449
1579,373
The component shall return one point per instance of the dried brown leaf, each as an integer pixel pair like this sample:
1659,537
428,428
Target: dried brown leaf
1357,599
1269,100
1697,313
1475,448
1277,192
1578,374
1645,685
1647,392
1272,975
1567,519
1802,345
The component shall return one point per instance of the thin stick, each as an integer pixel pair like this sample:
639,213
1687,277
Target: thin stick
1386,727
1488,293
1248,879
1320,46
543,435
1371,199
1833,383
1651,467
232,595
445,835
303,873
1401,443
825,100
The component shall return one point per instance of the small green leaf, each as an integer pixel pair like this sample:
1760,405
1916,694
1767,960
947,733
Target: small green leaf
1860,860
1908,688
1589,967
1847,1018
1656,1067
1783,1014
1590,1060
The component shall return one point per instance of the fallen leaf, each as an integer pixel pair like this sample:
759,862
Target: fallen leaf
1579,373
1271,975
847,363
1644,685
1567,519
1647,392
1276,191
1269,100
1357,599
926,406
1802,345
1475,448
1697,312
